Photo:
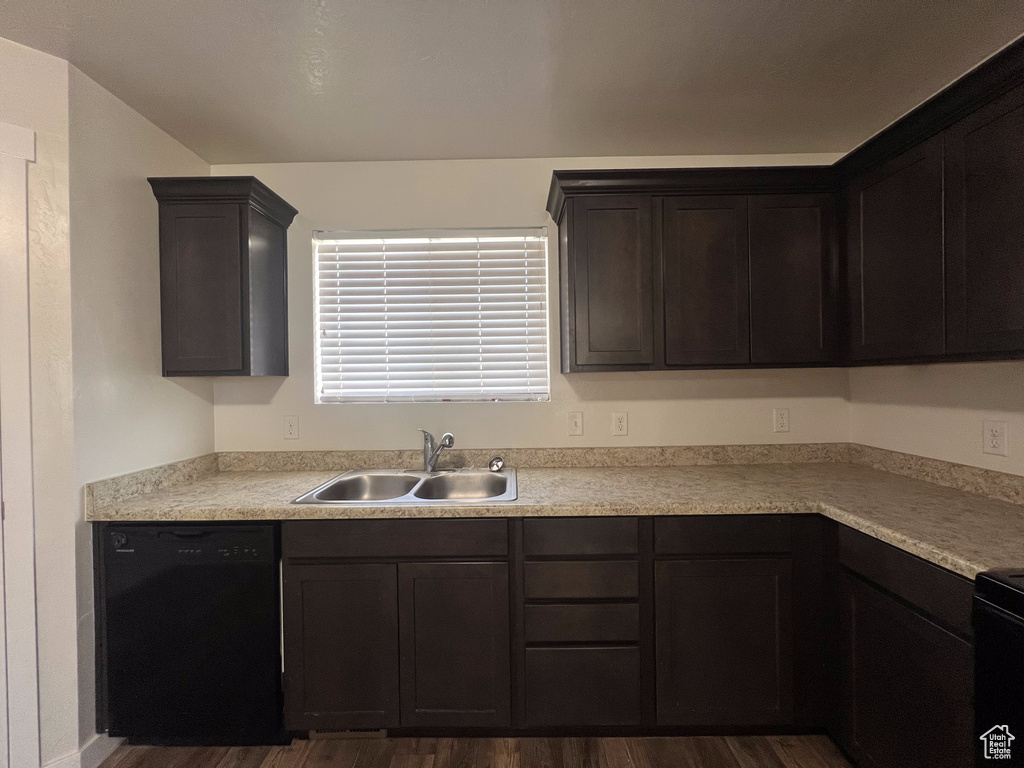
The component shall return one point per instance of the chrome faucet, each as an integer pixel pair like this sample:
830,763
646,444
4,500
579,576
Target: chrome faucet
432,450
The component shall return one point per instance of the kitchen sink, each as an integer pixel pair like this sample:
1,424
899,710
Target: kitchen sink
463,486
405,487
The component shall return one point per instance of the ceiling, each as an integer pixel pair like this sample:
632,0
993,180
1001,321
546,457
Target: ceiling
316,80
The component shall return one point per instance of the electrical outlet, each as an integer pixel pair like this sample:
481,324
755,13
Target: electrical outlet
994,436
575,423
780,419
291,427
620,423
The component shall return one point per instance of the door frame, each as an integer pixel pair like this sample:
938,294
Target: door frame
17,150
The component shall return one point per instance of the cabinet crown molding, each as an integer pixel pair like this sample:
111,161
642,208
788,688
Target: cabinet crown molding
247,190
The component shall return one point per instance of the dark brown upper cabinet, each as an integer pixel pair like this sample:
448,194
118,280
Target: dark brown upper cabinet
704,270
695,268
608,283
895,257
793,269
223,276
984,175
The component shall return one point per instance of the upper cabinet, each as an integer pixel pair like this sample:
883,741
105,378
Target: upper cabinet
610,269
223,276
984,175
695,268
704,263
894,257
793,273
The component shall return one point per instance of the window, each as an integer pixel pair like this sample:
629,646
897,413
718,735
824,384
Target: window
443,316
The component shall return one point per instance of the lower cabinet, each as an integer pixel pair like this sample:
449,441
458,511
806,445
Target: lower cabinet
341,646
583,686
395,644
718,622
724,641
908,684
454,639
905,662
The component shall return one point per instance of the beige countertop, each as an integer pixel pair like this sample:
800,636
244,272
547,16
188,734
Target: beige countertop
963,532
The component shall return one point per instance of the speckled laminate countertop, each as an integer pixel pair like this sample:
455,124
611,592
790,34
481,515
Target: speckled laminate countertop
959,531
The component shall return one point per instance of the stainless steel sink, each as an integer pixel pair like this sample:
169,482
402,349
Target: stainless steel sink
404,487
463,486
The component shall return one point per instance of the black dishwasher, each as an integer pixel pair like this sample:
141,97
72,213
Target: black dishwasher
188,633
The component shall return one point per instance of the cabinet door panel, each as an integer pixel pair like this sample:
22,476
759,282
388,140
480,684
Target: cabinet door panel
614,269
704,246
200,288
908,684
582,686
341,646
895,252
723,642
454,623
791,273
985,228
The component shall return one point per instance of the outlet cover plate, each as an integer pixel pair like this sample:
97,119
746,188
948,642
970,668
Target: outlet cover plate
994,438
780,420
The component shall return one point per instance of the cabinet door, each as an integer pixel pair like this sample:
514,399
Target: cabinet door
341,646
454,623
613,268
908,684
201,288
895,252
704,253
985,228
723,642
791,278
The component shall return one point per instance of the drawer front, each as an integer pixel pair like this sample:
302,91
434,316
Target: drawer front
725,534
581,580
581,536
603,623
332,539
582,686
934,590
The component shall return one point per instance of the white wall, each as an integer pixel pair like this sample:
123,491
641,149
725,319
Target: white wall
126,415
937,410
669,408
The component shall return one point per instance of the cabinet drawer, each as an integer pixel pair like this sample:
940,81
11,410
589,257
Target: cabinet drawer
603,623
581,580
582,686
727,534
932,589
581,536
331,539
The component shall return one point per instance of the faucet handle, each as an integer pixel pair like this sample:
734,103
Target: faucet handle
426,435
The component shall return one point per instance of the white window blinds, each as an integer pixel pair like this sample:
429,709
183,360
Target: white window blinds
441,316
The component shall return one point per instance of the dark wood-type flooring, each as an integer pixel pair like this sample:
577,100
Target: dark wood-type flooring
654,752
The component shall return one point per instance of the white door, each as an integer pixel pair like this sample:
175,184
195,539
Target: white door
19,687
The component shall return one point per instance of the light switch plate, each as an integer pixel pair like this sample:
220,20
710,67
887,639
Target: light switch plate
994,437
575,423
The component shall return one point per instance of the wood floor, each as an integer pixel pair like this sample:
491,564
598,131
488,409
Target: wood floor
702,752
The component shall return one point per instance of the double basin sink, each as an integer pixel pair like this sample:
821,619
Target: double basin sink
385,487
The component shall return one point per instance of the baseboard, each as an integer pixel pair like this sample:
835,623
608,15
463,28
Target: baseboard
98,749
